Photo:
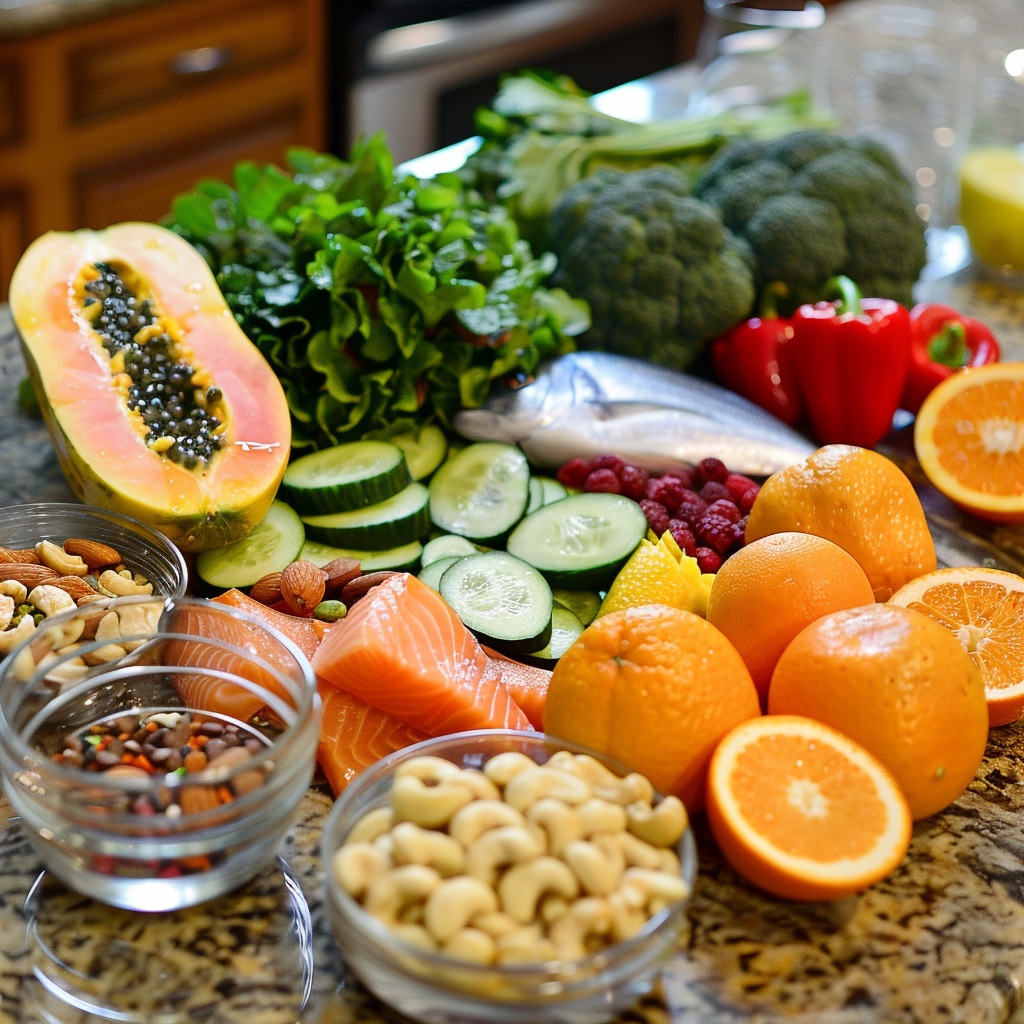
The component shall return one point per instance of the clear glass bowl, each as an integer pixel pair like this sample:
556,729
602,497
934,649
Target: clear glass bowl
151,835
143,550
437,989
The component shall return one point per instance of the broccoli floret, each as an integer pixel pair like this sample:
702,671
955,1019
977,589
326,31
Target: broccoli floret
661,272
813,204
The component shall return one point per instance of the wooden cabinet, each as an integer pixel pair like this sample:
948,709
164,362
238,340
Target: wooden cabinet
108,120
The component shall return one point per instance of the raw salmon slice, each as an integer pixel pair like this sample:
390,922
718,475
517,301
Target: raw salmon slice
402,649
354,735
526,684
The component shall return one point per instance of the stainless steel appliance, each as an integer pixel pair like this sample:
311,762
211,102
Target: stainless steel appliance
417,69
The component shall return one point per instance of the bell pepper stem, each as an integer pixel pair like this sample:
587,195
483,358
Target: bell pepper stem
948,345
847,295
770,296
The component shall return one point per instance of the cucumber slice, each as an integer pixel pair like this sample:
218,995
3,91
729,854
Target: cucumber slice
482,492
580,542
503,600
543,491
405,558
345,477
584,604
424,451
432,572
274,543
447,544
565,631
400,520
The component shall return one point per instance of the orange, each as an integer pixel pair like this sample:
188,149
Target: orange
654,688
984,609
897,683
969,439
860,500
766,592
802,811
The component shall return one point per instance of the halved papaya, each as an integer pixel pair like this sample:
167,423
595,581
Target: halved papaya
158,405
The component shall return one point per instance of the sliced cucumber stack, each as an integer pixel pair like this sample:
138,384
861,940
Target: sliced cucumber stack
566,629
424,451
404,558
481,492
503,600
399,520
447,544
584,604
432,572
274,543
580,542
345,477
543,491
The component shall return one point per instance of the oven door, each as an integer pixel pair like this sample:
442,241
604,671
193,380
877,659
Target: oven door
420,83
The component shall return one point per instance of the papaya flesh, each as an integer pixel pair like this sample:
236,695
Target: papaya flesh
157,404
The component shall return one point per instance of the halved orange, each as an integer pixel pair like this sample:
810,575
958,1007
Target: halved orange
984,609
969,439
802,811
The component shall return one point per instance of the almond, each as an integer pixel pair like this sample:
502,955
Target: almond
362,585
94,553
18,555
267,589
75,586
339,572
196,799
31,574
302,586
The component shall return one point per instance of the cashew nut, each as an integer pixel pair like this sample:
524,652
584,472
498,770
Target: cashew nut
470,822
627,790
139,621
107,629
62,668
598,867
415,934
522,886
586,919
431,806
529,786
51,600
371,825
501,768
637,852
599,815
472,945
357,865
654,889
7,607
411,844
526,945
626,917
392,892
10,638
54,556
585,767
427,768
478,784
14,589
454,903
115,584
551,908
495,923
661,825
499,847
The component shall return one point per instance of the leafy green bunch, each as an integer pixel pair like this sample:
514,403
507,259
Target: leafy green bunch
382,302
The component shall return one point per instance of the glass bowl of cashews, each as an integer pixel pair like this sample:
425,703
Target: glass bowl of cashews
503,876
155,749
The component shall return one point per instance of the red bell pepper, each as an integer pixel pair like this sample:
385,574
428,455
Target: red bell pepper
755,360
852,358
943,341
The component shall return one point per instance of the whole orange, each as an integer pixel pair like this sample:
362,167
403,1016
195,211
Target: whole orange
654,688
766,592
860,500
899,684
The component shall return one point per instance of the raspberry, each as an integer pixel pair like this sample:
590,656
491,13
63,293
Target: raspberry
724,507
573,473
714,469
738,485
713,490
739,536
746,501
684,476
682,535
612,462
656,513
634,481
708,560
691,507
602,480
715,531
668,490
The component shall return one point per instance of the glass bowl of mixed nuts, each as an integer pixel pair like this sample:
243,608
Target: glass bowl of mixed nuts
155,748
502,876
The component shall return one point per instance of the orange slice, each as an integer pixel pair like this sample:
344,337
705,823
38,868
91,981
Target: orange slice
802,811
984,609
969,439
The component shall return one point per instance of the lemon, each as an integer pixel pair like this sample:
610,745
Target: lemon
992,205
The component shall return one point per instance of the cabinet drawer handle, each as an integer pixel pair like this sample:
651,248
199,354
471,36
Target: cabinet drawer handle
201,61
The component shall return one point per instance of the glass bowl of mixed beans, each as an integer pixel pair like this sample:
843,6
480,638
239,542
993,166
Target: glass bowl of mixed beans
156,748
502,876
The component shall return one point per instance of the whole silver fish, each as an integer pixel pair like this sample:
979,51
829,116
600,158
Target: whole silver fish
590,403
